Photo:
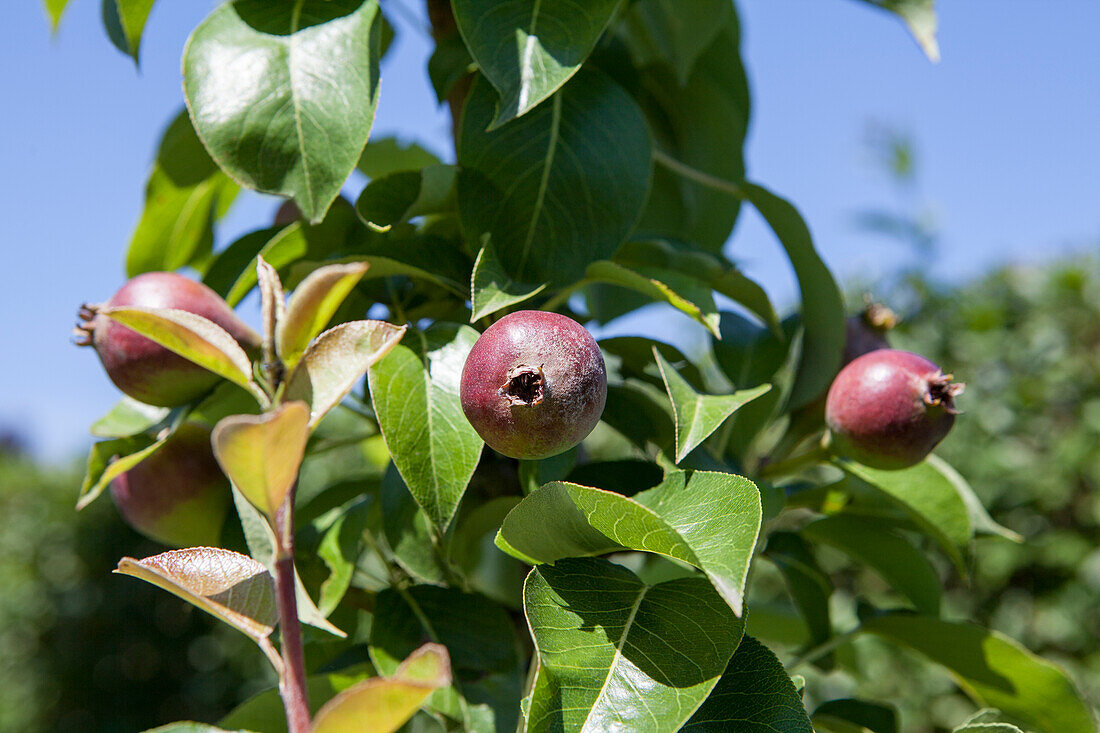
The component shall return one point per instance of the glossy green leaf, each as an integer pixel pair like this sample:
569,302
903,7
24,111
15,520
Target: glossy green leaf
336,360
339,550
226,584
131,15
283,94
185,193
529,48
385,155
892,556
492,289
710,520
194,338
603,636
481,641
415,395
383,704
754,695
701,124
848,715
261,454
108,459
684,293
823,307
404,195
986,720
979,516
674,32
809,585
641,413
127,418
920,17
929,498
698,415
312,305
994,670
559,188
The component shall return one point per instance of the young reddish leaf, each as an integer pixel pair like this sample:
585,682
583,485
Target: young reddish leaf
312,305
383,704
194,338
226,584
272,302
261,454
336,360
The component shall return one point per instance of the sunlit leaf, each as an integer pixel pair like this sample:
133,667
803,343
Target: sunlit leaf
920,17
683,293
231,586
336,360
312,305
108,459
128,417
492,289
404,195
385,155
261,454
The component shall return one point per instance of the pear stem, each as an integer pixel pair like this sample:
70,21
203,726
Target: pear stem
292,682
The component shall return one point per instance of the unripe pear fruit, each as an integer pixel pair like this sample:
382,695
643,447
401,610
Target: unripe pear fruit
866,331
178,496
143,369
888,409
534,385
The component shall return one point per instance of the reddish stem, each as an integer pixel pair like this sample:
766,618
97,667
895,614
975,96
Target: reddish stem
292,684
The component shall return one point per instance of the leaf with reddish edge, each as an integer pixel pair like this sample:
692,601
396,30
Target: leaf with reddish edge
193,337
312,305
261,454
383,704
272,302
226,584
336,360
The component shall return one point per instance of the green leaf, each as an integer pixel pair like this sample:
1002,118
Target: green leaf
822,305
409,531
108,459
698,415
635,359
809,585
529,48
674,32
855,716
478,635
867,541
404,195
928,498
449,63
283,95
415,395
55,9
194,338
994,670
292,243
986,720
701,124
128,18
261,454
983,523
339,550
710,521
641,413
128,418
559,188
684,293
603,637
190,727
185,193
226,584
387,702
385,155
264,711
491,288
336,360
755,694
920,17
312,305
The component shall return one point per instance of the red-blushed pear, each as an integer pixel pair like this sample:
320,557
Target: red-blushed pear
140,367
177,496
888,409
534,384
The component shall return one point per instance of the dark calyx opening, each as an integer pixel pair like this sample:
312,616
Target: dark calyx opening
942,392
525,386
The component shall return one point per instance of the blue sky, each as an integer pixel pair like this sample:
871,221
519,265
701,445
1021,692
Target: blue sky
1007,128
